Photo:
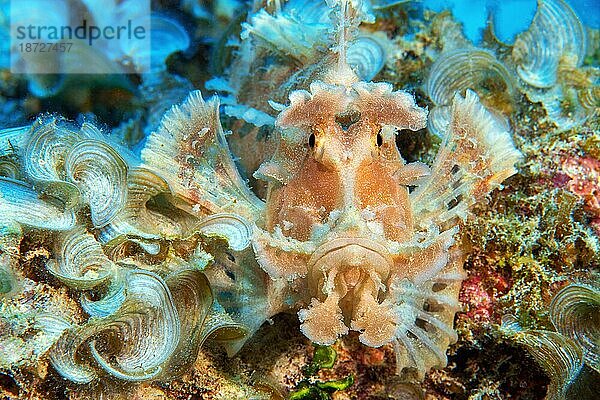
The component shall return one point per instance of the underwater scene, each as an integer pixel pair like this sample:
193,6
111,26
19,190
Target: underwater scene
300,199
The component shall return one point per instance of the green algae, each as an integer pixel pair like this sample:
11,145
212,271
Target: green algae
320,390
310,389
323,357
542,239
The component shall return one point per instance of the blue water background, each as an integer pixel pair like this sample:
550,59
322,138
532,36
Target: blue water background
510,17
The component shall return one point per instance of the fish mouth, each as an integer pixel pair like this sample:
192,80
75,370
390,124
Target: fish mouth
337,252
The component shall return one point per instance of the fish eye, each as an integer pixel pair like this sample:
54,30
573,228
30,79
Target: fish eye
379,139
312,140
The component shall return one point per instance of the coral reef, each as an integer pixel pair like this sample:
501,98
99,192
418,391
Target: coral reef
373,205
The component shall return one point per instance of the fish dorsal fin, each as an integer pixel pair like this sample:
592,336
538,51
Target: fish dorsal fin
346,16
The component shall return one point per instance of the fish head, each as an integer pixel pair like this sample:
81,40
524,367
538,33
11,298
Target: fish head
338,195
